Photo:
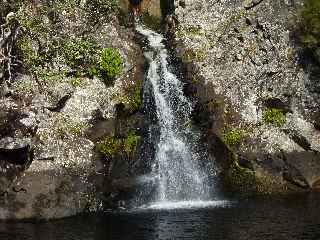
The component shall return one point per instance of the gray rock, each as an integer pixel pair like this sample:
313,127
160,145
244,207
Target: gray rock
50,124
303,168
249,64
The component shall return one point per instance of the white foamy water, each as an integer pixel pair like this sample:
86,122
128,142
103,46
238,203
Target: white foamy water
181,183
187,205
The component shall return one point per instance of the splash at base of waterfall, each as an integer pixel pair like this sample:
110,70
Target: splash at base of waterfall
168,205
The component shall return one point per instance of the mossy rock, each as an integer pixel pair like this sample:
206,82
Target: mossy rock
246,182
232,136
274,116
111,145
240,180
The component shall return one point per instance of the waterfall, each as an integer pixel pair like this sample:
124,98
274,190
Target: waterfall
180,178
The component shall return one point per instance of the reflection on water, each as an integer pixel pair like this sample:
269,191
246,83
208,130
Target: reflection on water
288,218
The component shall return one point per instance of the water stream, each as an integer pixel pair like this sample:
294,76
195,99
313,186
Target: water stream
180,179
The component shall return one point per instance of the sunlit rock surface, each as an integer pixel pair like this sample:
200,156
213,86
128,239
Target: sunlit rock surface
49,167
242,58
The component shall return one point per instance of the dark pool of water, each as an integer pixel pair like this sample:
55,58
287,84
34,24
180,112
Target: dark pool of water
285,218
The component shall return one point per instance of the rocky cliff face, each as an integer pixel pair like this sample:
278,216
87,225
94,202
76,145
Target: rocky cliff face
257,104
53,118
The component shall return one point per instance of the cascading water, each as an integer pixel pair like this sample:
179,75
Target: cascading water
180,178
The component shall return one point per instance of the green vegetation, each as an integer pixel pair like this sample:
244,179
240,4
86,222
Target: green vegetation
100,9
232,136
110,62
24,86
274,116
191,55
130,142
42,44
310,24
78,128
30,57
135,100
110,145
34,45
79,53
194,30
240,180
46,74
82,55
86,58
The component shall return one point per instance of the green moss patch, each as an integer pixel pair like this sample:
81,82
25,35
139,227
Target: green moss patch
274,116
110,145
232,136
193,55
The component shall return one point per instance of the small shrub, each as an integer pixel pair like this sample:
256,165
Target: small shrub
93,71
79,53
130,142
76,82
110,63
108,146
232,136
274,116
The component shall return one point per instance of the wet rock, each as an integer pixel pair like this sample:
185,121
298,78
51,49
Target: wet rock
16,151
303,168
245,162
49,194
316,185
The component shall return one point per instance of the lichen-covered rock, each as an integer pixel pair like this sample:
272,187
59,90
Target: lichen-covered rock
243,68
59,115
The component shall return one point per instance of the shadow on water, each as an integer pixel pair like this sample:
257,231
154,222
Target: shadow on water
293,217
